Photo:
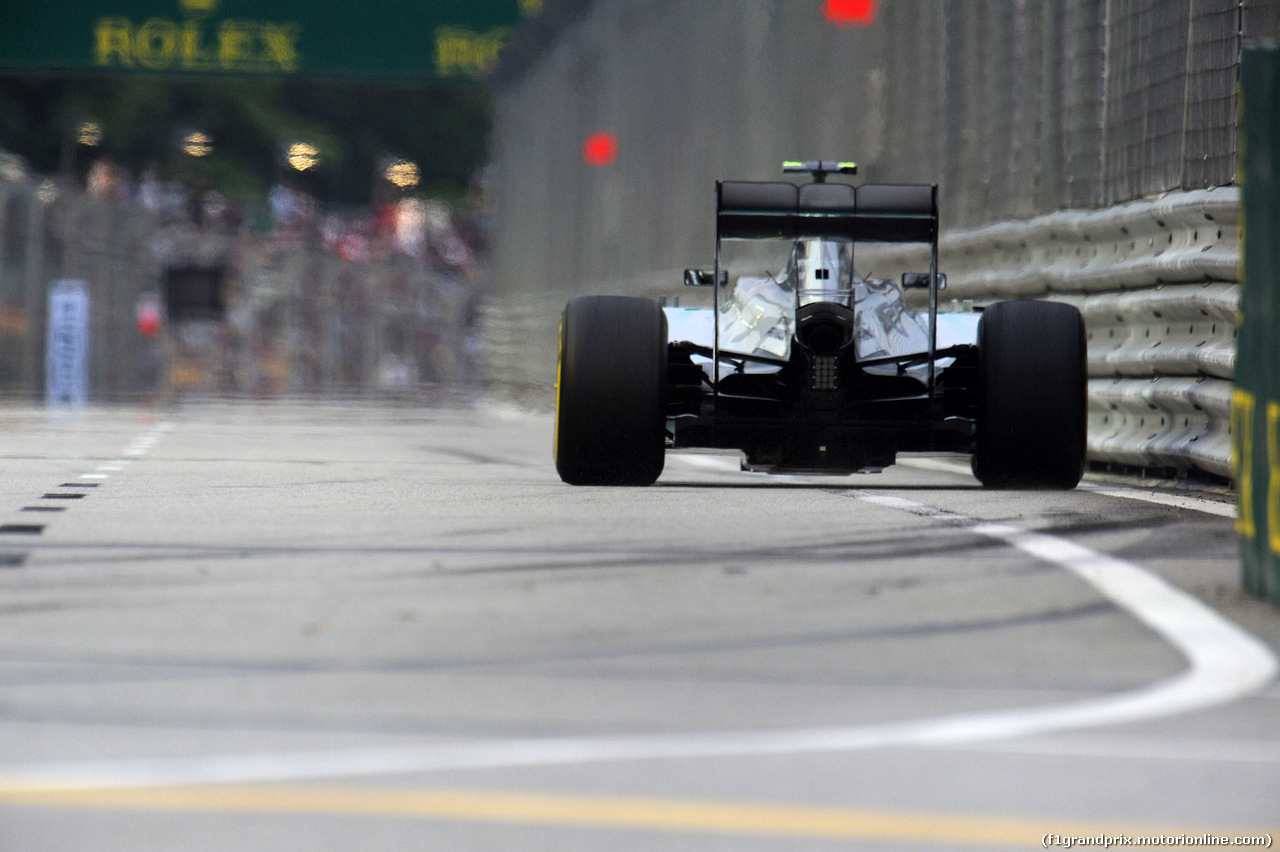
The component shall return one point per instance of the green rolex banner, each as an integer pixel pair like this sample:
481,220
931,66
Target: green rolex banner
1255,409
372,38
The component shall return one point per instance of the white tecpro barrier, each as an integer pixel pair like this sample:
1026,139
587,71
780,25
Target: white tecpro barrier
1167,422
1156,283
1186,237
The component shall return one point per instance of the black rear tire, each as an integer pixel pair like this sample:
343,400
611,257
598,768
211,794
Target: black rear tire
1033,388
611,391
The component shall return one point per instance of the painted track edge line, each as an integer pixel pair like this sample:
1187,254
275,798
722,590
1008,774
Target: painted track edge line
1224,662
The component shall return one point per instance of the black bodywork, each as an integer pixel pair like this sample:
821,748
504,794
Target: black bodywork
821,410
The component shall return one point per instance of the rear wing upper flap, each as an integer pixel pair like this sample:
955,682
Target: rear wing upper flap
868,213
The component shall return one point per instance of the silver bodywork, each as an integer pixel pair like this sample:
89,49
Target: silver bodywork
757,314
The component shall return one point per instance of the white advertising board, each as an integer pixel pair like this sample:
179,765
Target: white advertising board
67,350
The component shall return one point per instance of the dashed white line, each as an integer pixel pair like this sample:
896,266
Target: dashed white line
140,446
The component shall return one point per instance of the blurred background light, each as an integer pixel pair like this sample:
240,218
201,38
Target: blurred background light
89,133
600,149
403,173
850,13
302,156
197,144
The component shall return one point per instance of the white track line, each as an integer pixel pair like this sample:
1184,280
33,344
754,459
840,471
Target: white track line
727,464
1180,501
1225,663
138,447
1193,749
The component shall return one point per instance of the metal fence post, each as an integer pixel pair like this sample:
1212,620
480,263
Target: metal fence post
34,277
1256,400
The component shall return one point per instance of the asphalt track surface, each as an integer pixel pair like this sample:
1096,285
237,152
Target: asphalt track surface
286,627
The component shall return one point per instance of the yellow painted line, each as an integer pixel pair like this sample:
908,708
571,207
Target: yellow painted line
583,812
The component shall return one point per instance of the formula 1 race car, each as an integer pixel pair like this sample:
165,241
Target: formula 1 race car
807,367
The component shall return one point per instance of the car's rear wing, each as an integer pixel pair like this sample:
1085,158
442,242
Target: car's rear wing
897,212
889,212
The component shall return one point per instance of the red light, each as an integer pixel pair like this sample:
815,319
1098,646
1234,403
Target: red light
149,320
600,149
850,13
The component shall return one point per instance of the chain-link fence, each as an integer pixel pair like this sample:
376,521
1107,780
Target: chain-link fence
330,307
1015,107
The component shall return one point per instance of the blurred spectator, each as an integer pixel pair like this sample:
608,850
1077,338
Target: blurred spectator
456,255
389,302
217,212
104,179
150,192
12,167
292,211
410,226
